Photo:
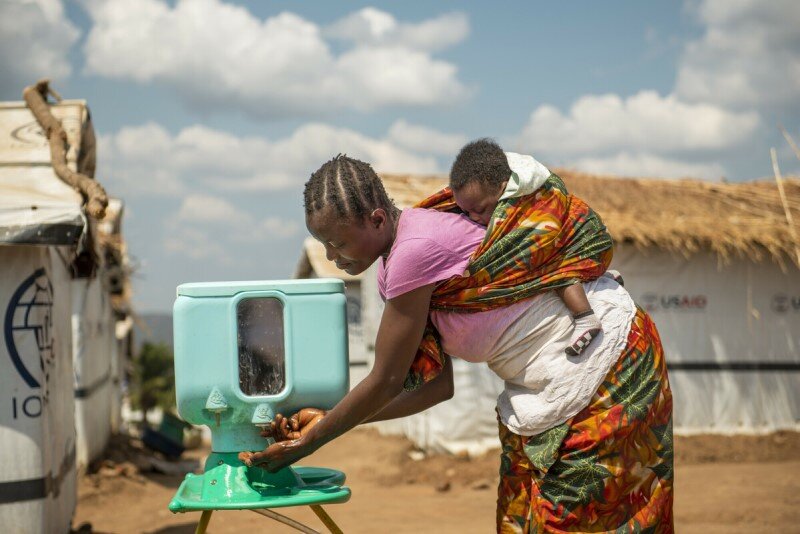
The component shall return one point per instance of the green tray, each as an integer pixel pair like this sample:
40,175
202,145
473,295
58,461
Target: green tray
228,484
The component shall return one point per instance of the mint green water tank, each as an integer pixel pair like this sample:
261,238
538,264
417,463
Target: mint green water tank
245,351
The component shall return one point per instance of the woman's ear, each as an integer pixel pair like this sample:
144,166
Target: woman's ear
378,218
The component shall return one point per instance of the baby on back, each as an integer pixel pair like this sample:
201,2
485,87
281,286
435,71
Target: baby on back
483,175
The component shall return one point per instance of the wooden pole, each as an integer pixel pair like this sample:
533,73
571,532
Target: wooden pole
786,209
326,519
203,524
790,141
285,520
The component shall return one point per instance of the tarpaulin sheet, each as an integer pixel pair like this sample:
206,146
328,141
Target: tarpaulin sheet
36,207
93,347
37,425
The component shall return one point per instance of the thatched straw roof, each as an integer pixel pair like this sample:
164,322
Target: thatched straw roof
680,216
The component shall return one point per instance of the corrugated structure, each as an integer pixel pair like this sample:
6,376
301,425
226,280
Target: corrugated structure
118,285
713,263
102,337
42,228
93,350
55,307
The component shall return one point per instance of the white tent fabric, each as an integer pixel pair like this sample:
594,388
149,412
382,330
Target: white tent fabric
467,423
37,428
731,336
36,207
93,346
37,409
121,349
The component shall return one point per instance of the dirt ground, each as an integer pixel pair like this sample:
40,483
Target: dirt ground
723,484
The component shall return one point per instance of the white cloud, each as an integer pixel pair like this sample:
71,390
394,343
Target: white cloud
137,160
200,208
748,57
741,74
148,160
372,77
201,216
220,55
600,124
648,165
272,227
313,144
371,26
425,140
194,244
35,38
218,177
207,210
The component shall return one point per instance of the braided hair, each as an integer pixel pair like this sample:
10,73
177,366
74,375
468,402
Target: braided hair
481,160
348,185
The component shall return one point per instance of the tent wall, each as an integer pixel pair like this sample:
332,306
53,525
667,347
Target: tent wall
93,347
123,348
37,425
22,141
731,334
467,423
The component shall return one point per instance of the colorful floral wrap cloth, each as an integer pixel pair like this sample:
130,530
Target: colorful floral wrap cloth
610,467
534,243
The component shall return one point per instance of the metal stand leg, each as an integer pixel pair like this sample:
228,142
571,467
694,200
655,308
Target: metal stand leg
326,519
203,524
322,514
285,520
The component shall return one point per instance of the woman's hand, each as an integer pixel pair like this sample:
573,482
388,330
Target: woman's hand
283,429
277,455
402,324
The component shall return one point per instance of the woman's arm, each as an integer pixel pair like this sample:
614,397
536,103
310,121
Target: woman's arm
399,335
429,394
406,403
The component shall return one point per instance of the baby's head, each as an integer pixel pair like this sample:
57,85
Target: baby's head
349,212
478,178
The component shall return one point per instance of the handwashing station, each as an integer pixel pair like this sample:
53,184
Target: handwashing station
244,352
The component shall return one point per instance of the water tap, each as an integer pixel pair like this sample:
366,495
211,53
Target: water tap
216,404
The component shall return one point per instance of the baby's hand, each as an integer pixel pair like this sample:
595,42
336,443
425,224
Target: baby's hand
283,429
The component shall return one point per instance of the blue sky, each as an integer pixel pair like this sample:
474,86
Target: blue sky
212,114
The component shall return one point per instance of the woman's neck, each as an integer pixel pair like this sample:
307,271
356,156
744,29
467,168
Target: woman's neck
394,219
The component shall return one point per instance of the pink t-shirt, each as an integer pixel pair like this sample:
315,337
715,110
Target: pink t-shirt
431,247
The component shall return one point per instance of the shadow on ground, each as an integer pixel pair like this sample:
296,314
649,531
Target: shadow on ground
184,528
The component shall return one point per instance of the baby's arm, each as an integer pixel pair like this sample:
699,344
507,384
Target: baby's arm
574,298
587,325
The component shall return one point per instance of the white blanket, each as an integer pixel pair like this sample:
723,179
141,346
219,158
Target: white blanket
527,175
544,386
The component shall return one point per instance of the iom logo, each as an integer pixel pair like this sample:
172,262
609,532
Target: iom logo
30,134
28,329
